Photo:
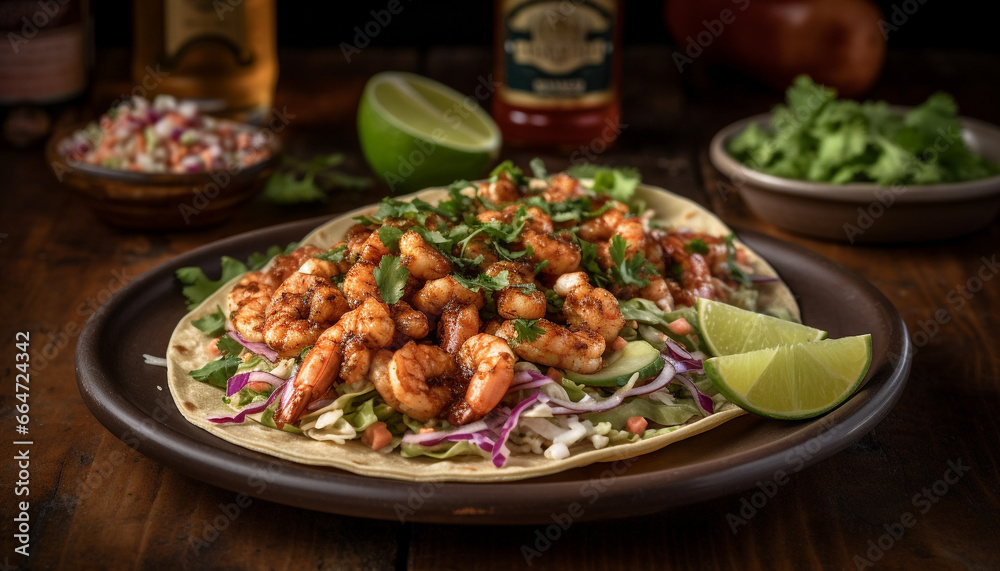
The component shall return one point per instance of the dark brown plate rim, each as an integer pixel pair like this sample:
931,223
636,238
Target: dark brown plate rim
132,401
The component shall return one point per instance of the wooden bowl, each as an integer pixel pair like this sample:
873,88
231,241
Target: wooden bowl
160,201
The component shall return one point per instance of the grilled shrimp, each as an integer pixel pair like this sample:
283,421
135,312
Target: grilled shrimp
512,302
490,361
359,284
415,380
659,292
603,226
696,275
372,250
458,323
477,246
536,219
248,300
558,346
589,307
422,259
302,307
632,230
501,191
246,303
562,187
436,294
409,321
350,340
562,254
356,236
285,265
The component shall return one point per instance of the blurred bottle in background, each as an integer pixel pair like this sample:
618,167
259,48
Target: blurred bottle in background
220,53
559,67
45,61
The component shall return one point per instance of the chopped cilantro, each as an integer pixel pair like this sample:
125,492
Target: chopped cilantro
815,136
198,286
484,281
390,277
696,246
589,264
618,183
538,169
389,236
258,260
336,255
212,324
457,204
515,174
310,181
217,373
526,331
734,269
229,346
492,283
628,271
553,303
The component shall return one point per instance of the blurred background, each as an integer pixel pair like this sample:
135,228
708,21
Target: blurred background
957,24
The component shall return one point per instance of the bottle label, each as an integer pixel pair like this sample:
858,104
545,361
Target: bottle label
187,21
43,58
558,54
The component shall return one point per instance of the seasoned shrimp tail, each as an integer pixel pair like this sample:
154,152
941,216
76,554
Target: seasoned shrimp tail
490,361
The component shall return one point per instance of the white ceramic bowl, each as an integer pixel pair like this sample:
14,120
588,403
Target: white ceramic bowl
868,213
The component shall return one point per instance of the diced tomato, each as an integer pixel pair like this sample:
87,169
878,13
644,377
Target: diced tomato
618,344
377,436
258,386
636,424
680,326
554,374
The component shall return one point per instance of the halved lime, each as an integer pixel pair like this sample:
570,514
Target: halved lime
728,330
416,133
793,381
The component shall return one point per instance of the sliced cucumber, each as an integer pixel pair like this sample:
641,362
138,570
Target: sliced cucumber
637,357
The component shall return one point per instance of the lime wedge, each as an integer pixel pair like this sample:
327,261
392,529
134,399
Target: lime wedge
793,381
417,133
727,330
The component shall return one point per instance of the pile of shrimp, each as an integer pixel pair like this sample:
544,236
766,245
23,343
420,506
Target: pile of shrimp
445,351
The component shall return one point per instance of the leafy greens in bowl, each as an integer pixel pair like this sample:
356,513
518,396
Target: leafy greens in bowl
816,137
864,172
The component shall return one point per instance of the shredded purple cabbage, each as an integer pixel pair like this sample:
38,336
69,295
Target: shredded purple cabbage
500,450
238,381
250,409
256,348
704,402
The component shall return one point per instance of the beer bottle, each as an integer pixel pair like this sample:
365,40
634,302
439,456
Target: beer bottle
220,54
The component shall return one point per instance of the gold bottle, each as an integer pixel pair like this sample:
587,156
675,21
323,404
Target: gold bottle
220,53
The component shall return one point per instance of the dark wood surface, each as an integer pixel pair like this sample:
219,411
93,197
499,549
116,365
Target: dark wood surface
97,503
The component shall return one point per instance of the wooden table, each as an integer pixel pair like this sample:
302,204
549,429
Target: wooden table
60,263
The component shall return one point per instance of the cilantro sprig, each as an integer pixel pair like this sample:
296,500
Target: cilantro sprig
629,271
212,324
198,286
526,331
299,182
618,183
390,277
